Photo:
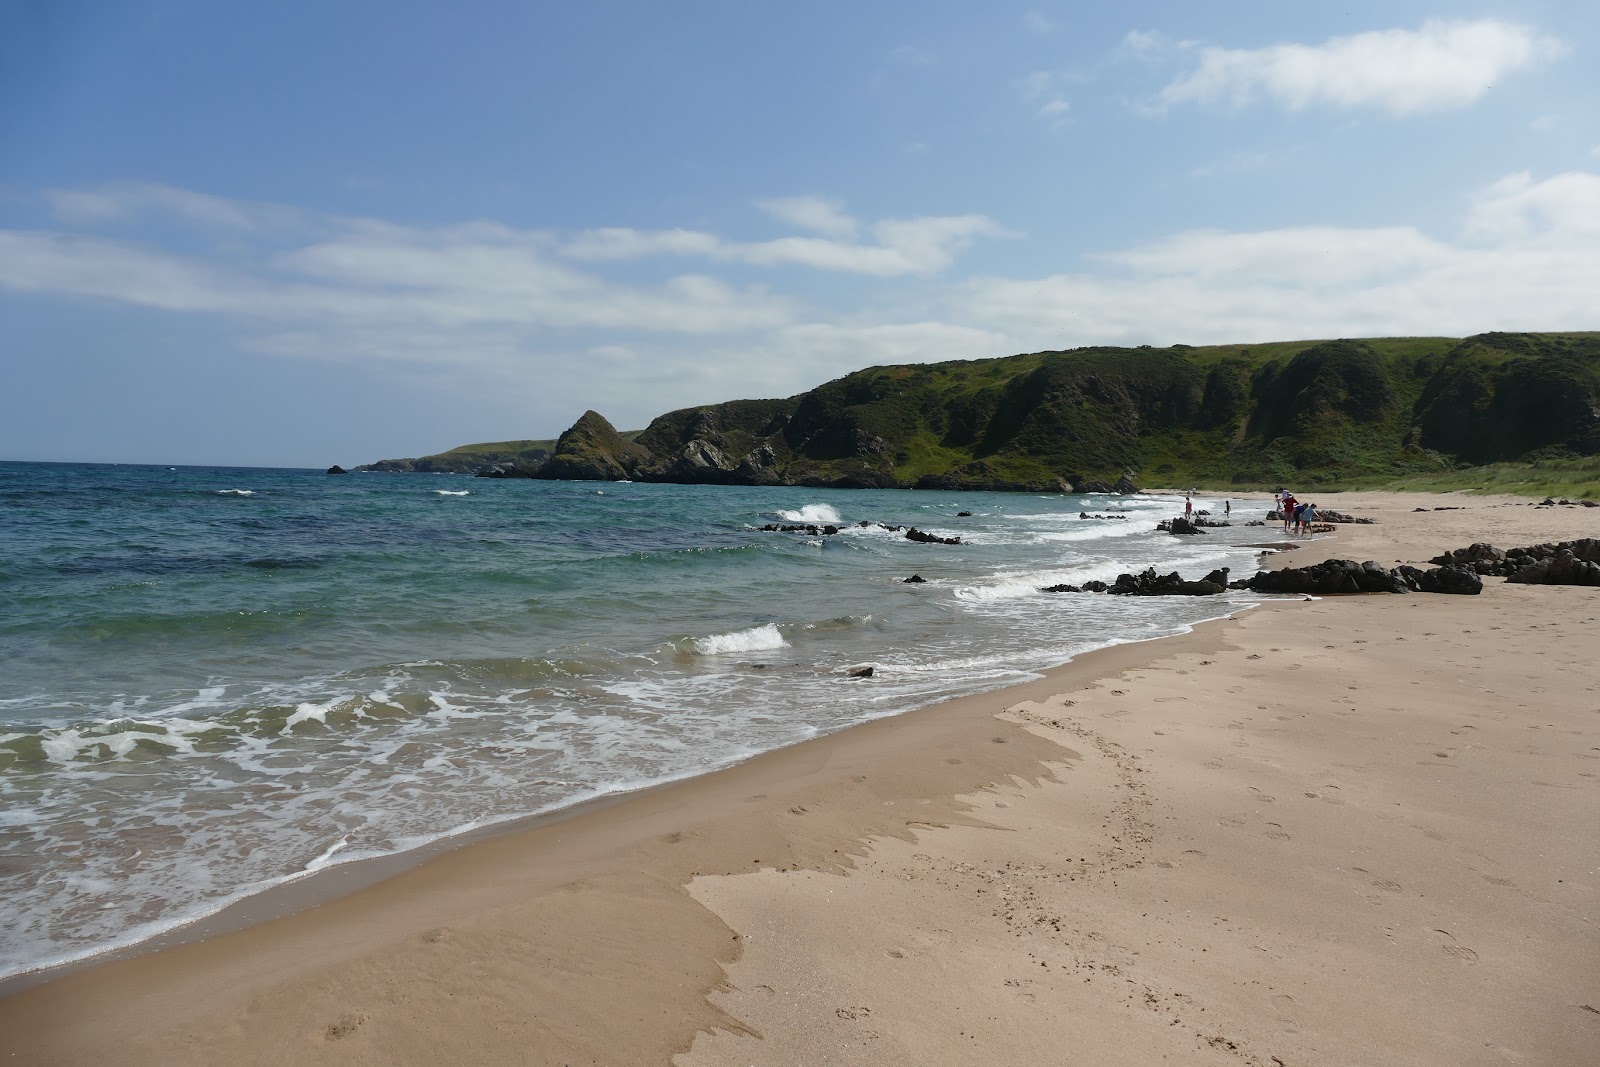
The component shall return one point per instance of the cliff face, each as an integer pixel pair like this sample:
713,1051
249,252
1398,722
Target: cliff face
593,451
1304,412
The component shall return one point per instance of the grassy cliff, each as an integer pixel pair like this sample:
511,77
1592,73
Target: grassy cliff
1309,413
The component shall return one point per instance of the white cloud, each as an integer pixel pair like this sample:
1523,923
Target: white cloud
812,213
618,243
1041,89
118,202
924,245
1037,22
1443,64
1528,258
1517,208
386,278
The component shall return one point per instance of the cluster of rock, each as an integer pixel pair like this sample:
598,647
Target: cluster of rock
1550,502
1348,576
1565,563
1331,576
1149,583
828,530
1086,515
1181,525
1325,516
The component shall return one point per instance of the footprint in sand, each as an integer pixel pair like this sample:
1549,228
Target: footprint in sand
1385,883
1232,820
1214,764
344,1027
1276,832
1459,951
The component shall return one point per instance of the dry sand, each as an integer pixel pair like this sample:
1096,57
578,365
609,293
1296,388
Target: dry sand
1360,830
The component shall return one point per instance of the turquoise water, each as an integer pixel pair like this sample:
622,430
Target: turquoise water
218,679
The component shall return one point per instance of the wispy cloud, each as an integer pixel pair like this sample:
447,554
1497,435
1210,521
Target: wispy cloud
923,245
1443,64
812,213
1036,21
1527,257
1042,90
129,200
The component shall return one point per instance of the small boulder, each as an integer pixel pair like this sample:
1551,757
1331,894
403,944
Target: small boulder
915,579
336,469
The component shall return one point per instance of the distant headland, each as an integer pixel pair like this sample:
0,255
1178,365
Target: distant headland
1307,413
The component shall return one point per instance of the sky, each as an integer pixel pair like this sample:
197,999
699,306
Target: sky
300,234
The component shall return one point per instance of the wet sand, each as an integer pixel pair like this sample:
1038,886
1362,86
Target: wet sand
1348,831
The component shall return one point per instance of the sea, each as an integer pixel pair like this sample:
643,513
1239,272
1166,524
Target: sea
217,680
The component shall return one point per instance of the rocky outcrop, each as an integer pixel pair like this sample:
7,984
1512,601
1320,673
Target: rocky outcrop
1449,579
1331,576
1336,576
828,530
1563,563
593,451
336,469
1564,568
1179,525
1149,583
1126,485
1326,516
922,537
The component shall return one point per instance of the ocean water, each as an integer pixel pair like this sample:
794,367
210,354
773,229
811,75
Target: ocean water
215,680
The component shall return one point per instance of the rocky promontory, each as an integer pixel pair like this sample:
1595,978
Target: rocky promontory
1102,419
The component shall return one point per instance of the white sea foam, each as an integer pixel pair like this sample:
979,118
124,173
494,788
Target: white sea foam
453,492
810,513
236,492
756,639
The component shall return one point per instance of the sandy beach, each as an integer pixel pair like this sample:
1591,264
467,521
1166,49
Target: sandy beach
1356,830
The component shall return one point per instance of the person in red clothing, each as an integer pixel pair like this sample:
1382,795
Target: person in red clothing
1287,510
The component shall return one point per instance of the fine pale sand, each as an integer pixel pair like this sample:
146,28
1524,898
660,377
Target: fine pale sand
1359,830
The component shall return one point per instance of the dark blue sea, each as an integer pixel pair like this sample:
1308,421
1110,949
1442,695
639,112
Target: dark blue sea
215,680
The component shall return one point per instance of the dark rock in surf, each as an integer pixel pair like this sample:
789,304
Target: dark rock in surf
336,469
915,579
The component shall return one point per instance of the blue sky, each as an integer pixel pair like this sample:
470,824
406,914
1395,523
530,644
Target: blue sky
306,233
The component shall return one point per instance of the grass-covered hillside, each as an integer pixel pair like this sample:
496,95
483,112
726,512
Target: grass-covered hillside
1327,413
469,459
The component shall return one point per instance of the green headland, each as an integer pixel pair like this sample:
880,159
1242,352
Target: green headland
1498,412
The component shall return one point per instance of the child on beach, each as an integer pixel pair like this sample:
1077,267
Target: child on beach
1188,507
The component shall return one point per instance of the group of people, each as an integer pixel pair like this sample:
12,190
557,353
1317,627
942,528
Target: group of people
1297,517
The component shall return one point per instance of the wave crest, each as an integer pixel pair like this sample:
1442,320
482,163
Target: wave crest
810,513
756,639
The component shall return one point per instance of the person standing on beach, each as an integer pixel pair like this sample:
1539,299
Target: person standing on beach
1227,509
1188,507
1286,509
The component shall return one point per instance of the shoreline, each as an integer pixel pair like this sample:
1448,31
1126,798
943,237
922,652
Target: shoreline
333,881
622,971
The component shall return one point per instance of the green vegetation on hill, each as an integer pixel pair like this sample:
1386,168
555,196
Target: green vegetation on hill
1343,413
